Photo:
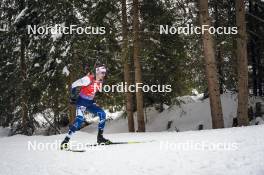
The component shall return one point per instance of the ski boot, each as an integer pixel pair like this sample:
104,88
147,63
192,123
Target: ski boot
101,140
65,144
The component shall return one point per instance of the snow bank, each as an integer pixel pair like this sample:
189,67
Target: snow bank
4,132
193,112
187,116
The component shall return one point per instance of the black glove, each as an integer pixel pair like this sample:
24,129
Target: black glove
73,101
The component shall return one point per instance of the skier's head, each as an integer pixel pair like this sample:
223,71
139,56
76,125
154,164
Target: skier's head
100,71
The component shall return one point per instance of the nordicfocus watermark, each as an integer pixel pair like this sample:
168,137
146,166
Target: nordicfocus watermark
124,87
55,145
198,146
191,29
67,30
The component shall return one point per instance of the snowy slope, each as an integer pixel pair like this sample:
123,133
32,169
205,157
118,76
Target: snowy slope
187,116
171,153
191,112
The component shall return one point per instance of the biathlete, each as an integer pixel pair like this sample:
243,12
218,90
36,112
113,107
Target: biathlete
89,84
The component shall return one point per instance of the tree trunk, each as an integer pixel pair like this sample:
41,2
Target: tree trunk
254,65
127,77
211,69
138,75
220,69
24,100
219,58
23,75
71,106
70,79
242,109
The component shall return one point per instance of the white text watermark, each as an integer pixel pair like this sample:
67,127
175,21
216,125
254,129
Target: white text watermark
198,146
66,30
124,87
191,29
55,145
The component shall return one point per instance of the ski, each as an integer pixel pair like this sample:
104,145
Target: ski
76,150
118,143
112,143
73,149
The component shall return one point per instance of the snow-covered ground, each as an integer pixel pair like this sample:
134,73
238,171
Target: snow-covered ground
229,151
